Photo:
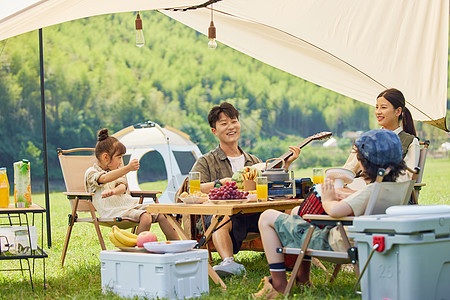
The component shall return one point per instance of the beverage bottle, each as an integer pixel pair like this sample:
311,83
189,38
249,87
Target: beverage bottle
22,184
4,188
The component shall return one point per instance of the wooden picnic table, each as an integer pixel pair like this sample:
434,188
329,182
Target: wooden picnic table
218,211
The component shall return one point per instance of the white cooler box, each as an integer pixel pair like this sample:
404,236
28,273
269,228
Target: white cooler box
415,262
170,275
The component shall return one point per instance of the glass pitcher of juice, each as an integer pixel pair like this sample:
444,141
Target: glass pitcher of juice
4,188
21,242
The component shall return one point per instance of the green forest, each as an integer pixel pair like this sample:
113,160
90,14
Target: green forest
96,77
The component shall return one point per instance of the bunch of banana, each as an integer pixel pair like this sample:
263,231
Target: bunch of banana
122,238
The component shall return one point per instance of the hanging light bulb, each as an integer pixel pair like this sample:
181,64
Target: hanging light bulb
139,34
212,36
212,33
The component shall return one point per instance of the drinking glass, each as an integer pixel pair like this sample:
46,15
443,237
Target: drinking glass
261,189
194,182
317,176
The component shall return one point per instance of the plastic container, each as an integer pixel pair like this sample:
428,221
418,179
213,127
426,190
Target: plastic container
4,188
170,275
415,261
22,183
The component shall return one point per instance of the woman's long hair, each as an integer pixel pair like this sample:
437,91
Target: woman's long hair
396,98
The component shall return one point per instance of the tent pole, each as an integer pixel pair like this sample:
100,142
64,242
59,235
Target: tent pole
44,139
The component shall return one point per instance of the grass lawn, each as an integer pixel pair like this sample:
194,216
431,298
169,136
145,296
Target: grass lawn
80,278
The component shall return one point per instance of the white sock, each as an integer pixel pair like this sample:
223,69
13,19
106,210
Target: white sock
228,259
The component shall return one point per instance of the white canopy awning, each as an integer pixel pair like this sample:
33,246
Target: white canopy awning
356,48
20,16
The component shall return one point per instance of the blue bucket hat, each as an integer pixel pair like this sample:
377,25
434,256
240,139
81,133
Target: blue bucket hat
380,147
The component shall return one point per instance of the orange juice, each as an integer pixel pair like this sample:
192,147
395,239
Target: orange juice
261,192
317,175
4,188
317,179
194,186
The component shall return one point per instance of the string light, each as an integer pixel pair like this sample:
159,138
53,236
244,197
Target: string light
139,33
212,44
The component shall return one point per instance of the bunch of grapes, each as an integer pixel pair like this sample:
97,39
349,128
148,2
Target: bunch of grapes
226,192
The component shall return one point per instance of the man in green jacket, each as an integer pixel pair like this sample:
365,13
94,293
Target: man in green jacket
216,168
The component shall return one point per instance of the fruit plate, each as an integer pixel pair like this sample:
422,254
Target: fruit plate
170,246
193,199
132,249
229,201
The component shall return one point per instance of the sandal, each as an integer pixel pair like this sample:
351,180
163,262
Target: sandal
268,291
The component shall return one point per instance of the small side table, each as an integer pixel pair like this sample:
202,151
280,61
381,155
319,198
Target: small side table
19,216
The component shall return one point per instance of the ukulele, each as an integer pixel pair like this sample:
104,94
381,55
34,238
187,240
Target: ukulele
274,162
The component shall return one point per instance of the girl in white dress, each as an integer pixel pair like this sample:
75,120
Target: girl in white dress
107,181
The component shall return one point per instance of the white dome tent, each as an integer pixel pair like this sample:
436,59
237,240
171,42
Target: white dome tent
149,140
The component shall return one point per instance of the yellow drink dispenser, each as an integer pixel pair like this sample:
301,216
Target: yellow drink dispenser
22,184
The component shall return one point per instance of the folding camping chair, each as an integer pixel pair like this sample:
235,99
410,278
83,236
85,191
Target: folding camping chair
378,203
74,163
418,185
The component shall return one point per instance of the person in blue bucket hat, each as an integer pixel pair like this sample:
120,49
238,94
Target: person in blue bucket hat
379,148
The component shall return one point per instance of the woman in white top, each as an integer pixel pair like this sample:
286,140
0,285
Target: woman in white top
392,114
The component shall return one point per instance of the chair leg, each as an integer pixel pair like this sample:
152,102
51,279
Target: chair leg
356,268
207,244
66,244
299,260
336,270
97,227
69,231
414,197
348,246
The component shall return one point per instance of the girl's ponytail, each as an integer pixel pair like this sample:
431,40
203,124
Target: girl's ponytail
407,122
108,144
102,134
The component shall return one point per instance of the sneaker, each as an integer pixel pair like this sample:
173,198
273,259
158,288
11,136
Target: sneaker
267,292
229,267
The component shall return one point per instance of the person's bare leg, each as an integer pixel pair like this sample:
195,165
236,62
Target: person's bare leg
271,242
224,245
303,274
145,223
166,228
222,240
